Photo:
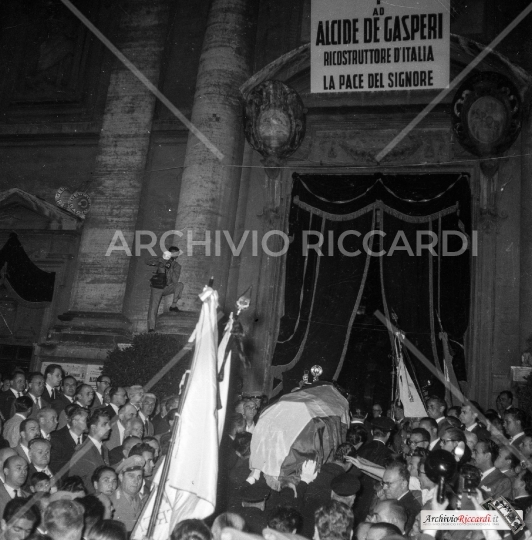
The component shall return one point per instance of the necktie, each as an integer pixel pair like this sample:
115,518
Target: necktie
19,394
79,441
16,493
39,403
145,427
53,394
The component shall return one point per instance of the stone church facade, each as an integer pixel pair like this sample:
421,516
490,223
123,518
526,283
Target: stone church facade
74,116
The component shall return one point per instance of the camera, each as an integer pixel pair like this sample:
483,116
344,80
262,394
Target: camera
468,482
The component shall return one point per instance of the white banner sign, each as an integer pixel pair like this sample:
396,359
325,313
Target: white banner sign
373,45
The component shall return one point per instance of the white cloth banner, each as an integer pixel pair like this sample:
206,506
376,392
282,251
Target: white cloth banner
190,488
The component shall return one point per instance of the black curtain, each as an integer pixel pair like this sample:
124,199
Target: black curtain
30,285
330,298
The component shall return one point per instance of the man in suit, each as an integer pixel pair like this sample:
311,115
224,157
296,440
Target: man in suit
47,419
84,398
507,462
66,397
29,430
492,482
40,459
102,383
395,486
514,424
118,398
116,455
378,452
66,440
22,407
469,417
18,384
35,392
436,409
15,474
431,426
522,490
91,454
126,413
147,408
52,380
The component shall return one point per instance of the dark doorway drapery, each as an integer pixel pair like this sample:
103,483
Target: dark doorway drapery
330,296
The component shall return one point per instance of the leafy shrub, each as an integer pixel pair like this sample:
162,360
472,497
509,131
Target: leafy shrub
148,354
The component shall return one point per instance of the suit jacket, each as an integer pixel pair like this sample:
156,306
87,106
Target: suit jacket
496,484
110,410
97,402
12,430
412,508
5,497
6,402
63,448
60,403
377,452
116,455
519,440
482,433
148,427
85,460
35,409
18,449
46,395
160,425
114,439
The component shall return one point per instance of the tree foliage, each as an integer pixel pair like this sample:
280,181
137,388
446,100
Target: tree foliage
148,354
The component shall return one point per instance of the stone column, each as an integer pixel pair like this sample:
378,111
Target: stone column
209,187
100,281
525,290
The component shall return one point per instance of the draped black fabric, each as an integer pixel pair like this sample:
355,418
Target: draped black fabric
31,285
330,296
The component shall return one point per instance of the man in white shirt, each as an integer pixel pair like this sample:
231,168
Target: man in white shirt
35,392
18,384
29,430
47,419
102,383
40,459
436,408
52,379
493,482
118,397
430,425
15,474
22,407
146,410
127,412
514,420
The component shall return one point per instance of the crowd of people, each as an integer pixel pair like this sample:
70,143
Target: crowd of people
376,484
78,461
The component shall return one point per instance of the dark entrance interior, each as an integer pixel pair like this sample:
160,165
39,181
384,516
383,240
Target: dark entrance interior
335,281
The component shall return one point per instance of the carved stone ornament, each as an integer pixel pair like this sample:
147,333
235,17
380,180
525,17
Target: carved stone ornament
486,114
274,123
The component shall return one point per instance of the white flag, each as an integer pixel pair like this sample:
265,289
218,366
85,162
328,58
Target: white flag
410,398
190,487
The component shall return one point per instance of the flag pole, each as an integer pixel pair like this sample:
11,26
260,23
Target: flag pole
166,467
164,474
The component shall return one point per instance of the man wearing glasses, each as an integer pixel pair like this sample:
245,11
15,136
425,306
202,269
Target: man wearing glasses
451,438
395,486
419,438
